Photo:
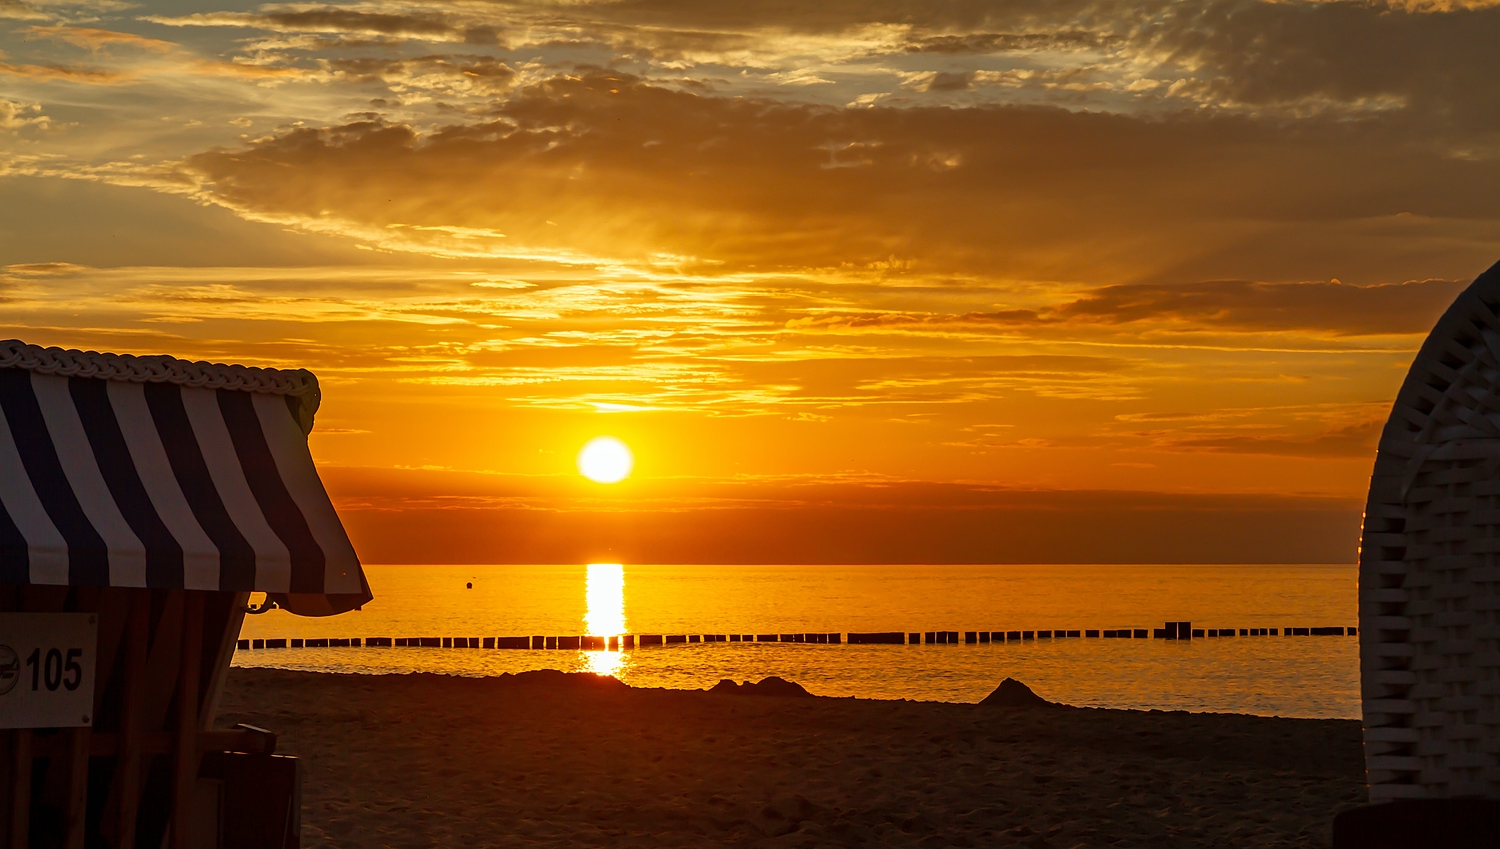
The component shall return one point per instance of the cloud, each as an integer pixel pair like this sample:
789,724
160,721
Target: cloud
1288,58
1137,55
1410,307
465,74
124,62
16,10
43,269
330,19
55,10
1303,54
1006,42
62,72
16,116
742,183
1238,305
94,39
881,320
1357,440
963,16
951,81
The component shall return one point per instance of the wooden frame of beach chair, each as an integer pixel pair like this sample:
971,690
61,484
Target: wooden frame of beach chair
134,771
1429,568
166,557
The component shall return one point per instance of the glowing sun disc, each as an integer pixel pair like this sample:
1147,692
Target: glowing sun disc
605,460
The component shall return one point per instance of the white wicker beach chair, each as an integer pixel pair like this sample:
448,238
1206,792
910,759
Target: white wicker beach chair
1429,568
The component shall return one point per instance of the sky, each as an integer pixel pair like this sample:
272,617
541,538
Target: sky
857,281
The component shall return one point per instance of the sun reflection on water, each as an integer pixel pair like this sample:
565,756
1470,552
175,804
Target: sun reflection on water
604,614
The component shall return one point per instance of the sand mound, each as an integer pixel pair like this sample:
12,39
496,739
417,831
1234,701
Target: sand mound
772,686
1012,693
558,681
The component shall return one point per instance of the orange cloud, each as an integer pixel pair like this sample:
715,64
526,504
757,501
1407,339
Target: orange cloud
472,73
94,39
62,72
882,320
332,19
1350,441
1235,305
739,184
1410,307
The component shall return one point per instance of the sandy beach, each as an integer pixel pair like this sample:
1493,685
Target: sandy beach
546,759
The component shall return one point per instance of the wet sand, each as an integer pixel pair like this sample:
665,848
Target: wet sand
546,759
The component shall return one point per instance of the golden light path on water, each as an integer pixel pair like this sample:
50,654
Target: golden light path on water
604,613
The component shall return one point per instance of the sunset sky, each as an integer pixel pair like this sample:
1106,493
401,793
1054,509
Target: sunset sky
858,280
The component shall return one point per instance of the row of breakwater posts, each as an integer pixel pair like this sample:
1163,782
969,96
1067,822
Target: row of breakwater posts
627,642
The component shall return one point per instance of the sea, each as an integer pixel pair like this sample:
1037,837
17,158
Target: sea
1292,676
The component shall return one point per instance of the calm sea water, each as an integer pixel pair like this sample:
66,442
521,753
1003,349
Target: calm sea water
1284,676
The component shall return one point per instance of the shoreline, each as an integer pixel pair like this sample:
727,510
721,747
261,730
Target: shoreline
551,758
474,676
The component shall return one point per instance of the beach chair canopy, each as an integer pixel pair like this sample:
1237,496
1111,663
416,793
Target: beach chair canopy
1429,567
127,471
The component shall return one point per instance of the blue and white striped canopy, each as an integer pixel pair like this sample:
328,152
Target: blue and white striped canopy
154,472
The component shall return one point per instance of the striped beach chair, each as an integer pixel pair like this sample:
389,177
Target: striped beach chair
142,499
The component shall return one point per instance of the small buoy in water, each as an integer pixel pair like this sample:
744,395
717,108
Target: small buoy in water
469,585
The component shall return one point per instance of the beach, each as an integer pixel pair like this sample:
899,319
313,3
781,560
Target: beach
550,759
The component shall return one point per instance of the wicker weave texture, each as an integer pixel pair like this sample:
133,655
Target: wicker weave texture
1429,567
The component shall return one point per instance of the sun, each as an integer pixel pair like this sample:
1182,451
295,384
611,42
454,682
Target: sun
605,460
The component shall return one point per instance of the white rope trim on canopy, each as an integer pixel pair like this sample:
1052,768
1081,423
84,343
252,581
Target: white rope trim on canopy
299,384
156,369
